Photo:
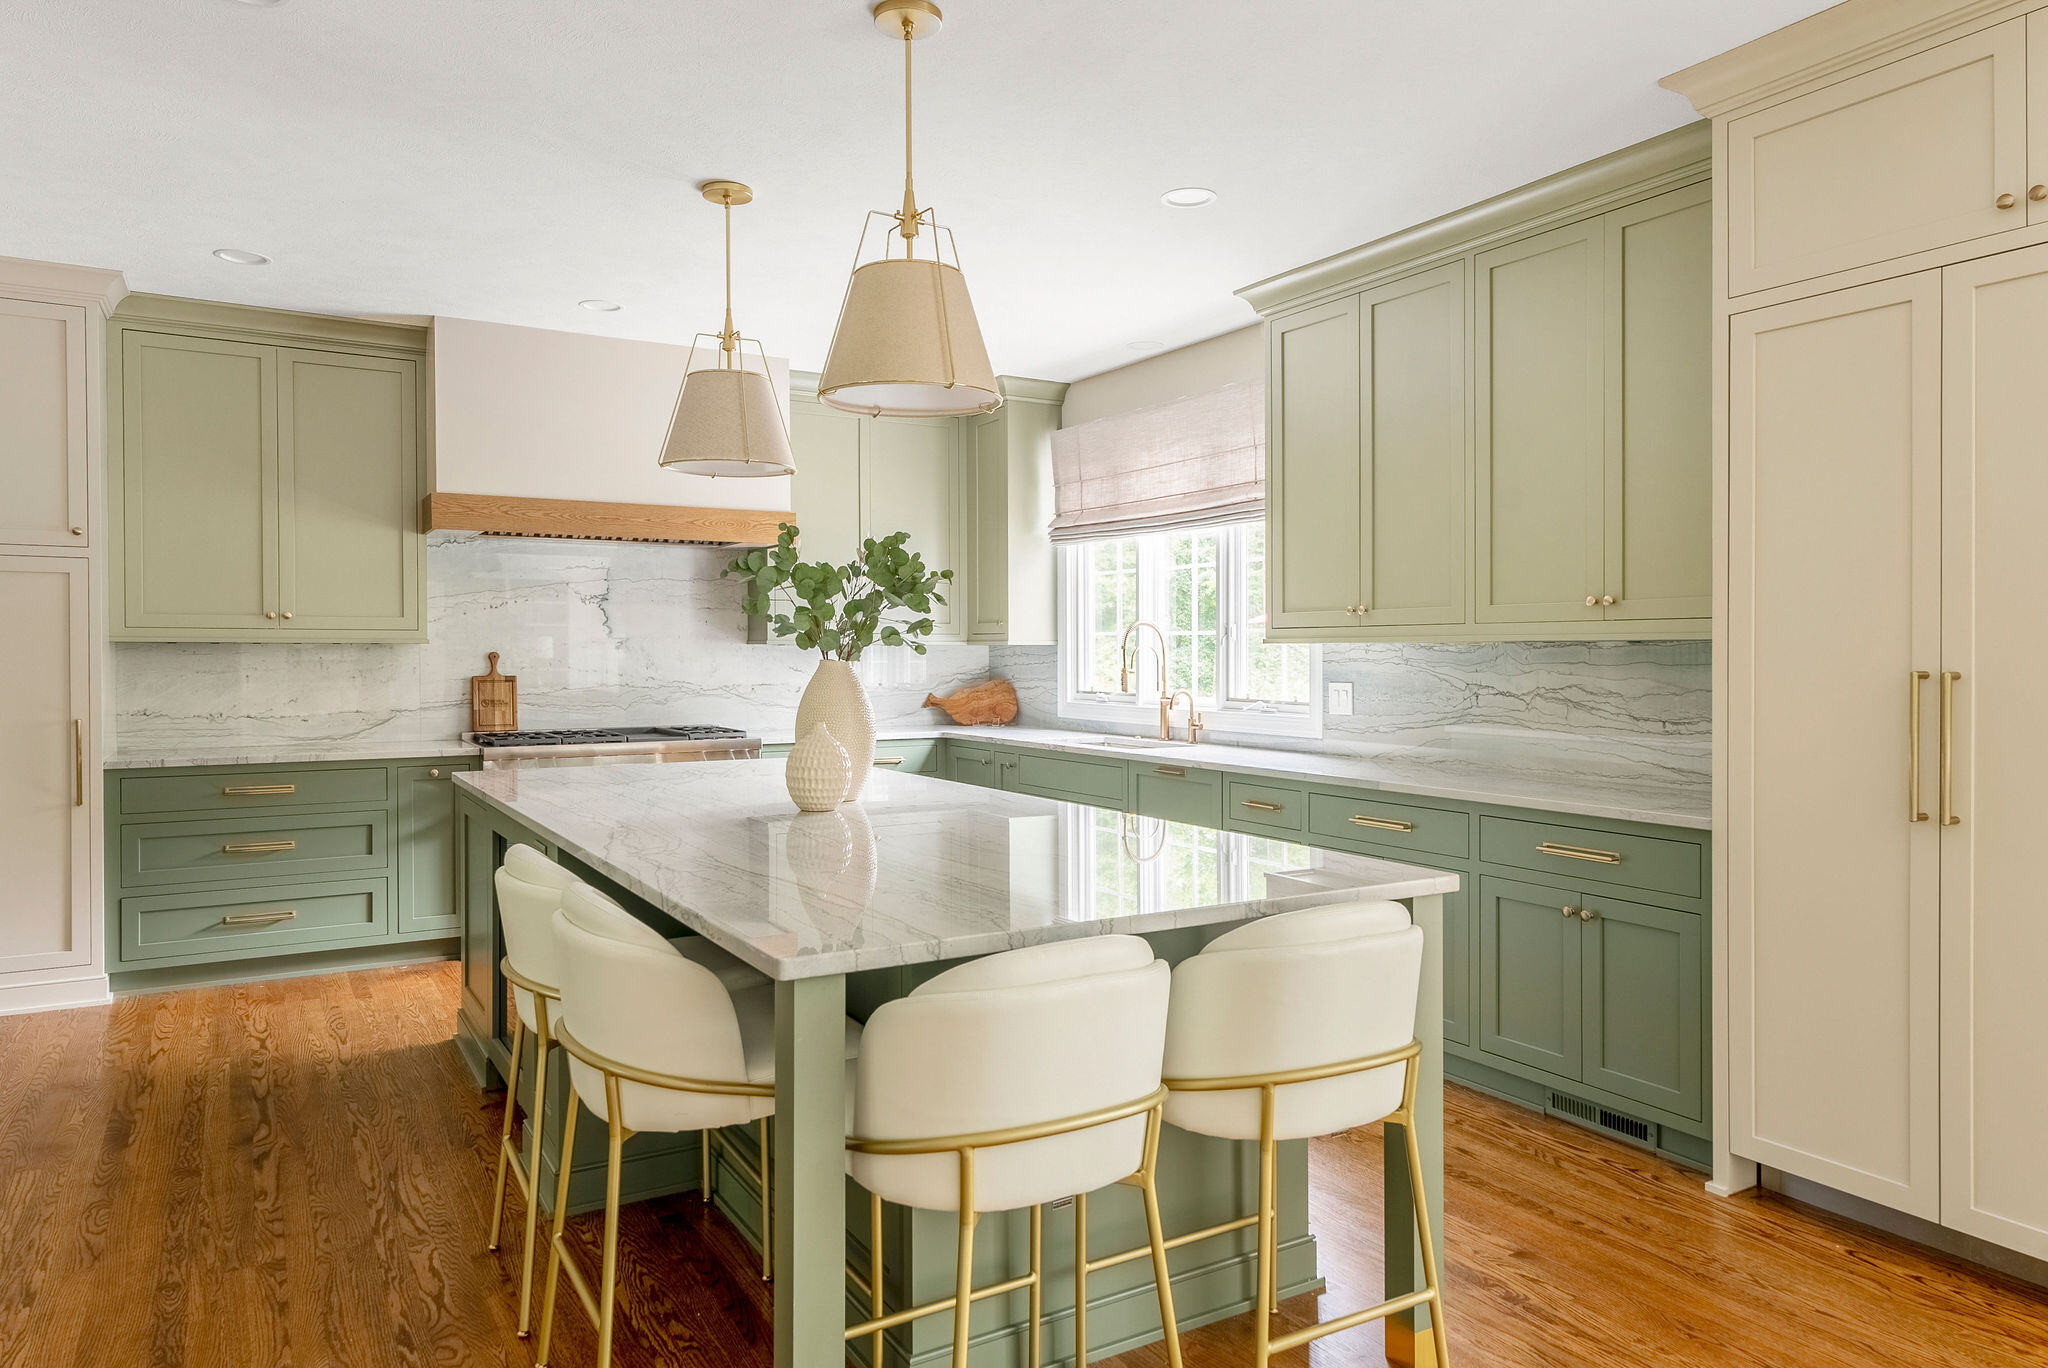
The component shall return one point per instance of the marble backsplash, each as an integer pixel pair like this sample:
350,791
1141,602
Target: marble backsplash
1639,708
598,633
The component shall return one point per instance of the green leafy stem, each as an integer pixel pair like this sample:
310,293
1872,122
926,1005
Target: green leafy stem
841,610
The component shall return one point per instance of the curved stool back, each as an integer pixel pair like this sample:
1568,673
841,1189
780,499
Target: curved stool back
1010,1081
1295,1026
530,888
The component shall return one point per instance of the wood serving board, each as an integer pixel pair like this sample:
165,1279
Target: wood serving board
493,700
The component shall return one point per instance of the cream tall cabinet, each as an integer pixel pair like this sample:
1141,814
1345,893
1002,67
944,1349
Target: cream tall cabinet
52,322
1881,242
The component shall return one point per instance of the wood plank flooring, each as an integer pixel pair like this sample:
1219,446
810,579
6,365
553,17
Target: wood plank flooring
298,1173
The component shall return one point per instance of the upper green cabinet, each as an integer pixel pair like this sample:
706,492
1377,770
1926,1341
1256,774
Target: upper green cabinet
265,475
1011,590
1497,425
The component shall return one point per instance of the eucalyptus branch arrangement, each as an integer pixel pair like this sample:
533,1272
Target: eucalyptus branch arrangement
840,610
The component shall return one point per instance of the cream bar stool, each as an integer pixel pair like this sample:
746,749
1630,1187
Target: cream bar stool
656,1042
530,888
1023,1078
1297,1026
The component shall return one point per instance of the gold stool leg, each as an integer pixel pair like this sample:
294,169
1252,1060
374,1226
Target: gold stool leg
704,1154
875,1276
1424,1235
1262,1327
963,1291
536,1125
505,1133
1155,1231
767,1210
547,1303
1081,1280
608,1287
1037,1284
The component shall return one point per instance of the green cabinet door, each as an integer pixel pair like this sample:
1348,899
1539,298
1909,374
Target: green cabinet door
1177,793
1461,968
1529,979
966,764
914,482
197,485
1412,488
1643,1013
350,547
426,848
1539,431
988,592
1314,499
1659,447
824,494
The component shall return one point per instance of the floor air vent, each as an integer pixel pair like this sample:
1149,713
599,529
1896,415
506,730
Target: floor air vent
1599,1118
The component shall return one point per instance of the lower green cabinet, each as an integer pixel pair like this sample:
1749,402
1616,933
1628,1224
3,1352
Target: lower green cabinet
1177,793
1074,778
1642,1022
974,765
215,864
1529,994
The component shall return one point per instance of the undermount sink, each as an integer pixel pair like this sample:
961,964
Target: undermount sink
1134,743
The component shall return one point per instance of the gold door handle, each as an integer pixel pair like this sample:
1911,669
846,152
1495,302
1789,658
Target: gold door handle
1570,911
1380,823
287,617
1592,601
1913,681
1587,914
433,774
1572,852
1607,600
888,759
1949,680
259,848
79,531
2037,192
245,790
282,914
1256,806
78,761
1171,771
2007,201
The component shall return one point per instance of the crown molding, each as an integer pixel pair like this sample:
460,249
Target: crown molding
1825,45
246,323
1018,387
57,283
1665,162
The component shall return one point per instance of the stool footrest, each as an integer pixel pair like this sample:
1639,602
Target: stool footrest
1282,1343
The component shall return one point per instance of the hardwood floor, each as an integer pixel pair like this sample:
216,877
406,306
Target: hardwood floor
298,1173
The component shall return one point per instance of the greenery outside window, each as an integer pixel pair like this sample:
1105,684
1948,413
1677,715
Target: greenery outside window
1205,589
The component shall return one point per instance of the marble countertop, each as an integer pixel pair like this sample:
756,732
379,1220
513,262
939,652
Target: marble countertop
918,870
255,751
1555,774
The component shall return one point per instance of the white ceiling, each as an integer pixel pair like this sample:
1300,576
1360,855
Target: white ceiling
502,161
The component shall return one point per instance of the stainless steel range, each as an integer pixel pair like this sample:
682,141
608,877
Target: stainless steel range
614,746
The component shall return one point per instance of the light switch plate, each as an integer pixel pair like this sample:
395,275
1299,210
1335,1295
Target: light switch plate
1338,703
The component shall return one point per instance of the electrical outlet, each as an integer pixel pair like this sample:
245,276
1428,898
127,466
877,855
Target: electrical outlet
1339,701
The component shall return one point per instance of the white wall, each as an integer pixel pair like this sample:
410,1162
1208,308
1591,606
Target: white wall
1234,358
555,415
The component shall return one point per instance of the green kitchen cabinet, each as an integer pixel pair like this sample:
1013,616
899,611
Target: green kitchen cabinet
969,764
1314,470
824,494
1177,793
1011,592
1643,1013
1072,778
265,475
1529,980
426,848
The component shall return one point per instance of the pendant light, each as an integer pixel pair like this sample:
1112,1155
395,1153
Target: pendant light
727,420
907,344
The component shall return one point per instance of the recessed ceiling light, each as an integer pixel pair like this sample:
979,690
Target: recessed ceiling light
1144,346
598,305
1189,197
235,256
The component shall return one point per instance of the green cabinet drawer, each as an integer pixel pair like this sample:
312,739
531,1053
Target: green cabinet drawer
226,791
232,848
1347,816
1262,807
1177,793
967,764
242,922
1650,862
1105,783
907,757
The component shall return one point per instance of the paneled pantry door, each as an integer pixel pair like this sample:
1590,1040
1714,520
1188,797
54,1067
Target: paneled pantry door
1834,610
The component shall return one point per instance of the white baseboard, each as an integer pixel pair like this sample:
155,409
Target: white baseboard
89,991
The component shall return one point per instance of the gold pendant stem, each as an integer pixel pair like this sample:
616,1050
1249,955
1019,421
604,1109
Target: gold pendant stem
907,220
728,342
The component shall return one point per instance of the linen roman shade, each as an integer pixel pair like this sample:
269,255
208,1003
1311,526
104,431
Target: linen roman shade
1193,462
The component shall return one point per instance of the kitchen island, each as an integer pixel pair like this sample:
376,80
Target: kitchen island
847,909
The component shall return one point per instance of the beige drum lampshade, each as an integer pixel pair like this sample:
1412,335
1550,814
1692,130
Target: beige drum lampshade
908,345
726,423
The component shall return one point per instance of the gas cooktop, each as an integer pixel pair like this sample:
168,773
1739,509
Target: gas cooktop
607,736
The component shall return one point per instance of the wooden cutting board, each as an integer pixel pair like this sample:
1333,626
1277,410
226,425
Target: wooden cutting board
493,700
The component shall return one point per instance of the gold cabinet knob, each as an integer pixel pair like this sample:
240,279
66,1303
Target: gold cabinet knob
1571,911
1592,602
287,617
1607,600
77,531
2037,192
1587,914
2008,201
433,774
271,616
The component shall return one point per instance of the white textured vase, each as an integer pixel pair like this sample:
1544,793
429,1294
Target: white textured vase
817,771
835,701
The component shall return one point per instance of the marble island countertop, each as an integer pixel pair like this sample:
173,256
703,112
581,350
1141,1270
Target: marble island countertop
918,870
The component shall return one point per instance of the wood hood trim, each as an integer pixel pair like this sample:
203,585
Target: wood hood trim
504,515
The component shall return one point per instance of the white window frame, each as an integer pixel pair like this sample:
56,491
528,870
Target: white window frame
1139,710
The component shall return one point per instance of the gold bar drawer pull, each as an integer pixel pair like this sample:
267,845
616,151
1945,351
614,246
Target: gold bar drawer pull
259,848
1381,823
888,759
1572,852
1173,771
282,914
245,790
1256,806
